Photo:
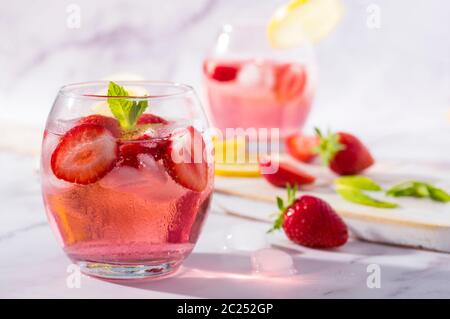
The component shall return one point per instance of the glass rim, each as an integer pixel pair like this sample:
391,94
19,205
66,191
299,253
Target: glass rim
68,90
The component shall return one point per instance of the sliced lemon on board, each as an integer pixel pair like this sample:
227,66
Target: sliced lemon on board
313,19
231,158
237,170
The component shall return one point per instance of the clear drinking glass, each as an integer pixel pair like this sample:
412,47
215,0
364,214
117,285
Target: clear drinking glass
127,204
252,85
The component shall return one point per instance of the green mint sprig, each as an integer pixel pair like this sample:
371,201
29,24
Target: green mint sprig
357,196
357,181
419,190
351,188
126,112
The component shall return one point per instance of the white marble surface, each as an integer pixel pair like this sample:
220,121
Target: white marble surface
390,85
33,266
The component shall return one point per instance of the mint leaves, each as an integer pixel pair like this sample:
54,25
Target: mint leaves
420,190
357,196
126,112
359,182
351,188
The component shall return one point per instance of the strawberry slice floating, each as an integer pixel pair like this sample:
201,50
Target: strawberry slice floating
290,81
107,122
151,119
128,154
222,72
129,150
184,160
85,154
301,147
285,174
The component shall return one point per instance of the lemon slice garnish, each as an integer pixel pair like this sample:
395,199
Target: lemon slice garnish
300,19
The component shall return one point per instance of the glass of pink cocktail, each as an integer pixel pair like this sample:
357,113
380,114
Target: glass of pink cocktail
127,176
251,85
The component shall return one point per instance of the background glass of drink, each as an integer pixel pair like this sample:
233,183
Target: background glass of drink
252,85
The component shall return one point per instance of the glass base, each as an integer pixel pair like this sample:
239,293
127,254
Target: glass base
127,272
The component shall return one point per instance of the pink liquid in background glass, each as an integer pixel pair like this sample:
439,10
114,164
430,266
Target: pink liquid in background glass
258,94
129,216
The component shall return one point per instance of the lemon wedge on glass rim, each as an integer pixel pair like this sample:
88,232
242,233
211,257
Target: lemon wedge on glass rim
313,19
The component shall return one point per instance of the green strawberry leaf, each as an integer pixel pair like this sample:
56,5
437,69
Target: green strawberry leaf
357,196
420,190
125,111
291,191
359,182
328,146
280,203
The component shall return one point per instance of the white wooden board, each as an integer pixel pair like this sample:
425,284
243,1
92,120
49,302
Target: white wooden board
418,223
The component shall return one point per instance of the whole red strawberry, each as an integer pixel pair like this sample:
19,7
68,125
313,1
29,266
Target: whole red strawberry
344,153
310,221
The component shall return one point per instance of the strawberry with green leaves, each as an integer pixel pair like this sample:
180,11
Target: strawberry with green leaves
310,221
344,153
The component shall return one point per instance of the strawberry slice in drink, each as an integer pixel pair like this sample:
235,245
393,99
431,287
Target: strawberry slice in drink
107,122
284,174
151,119
85,154
290,82
221,72
129,150
184,160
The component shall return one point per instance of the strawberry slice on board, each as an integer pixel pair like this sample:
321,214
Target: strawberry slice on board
107,122
344,153
185,161
284,173
302,147
290,82
85,154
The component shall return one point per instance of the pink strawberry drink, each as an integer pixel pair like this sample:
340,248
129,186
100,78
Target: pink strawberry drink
258,94
126,203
